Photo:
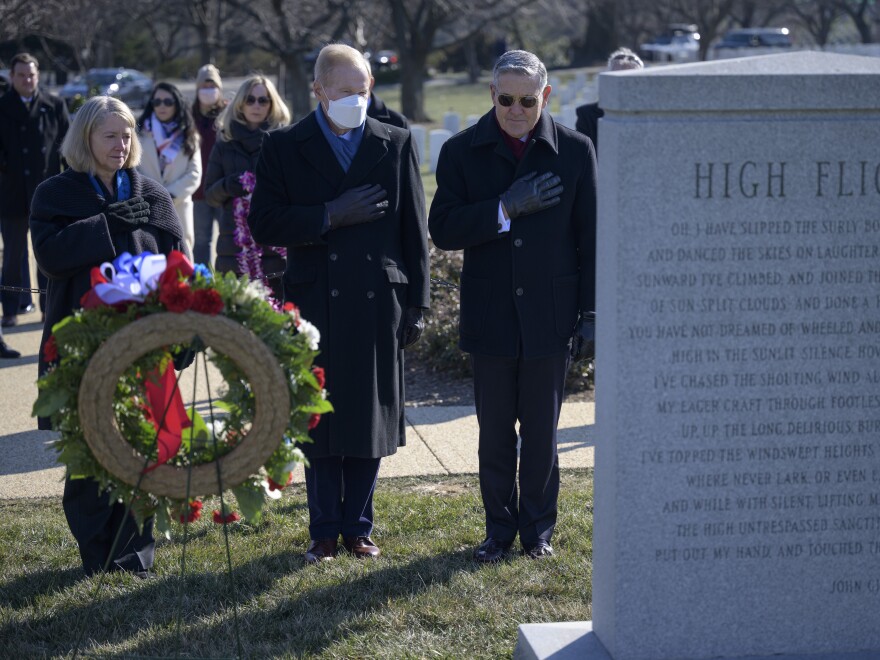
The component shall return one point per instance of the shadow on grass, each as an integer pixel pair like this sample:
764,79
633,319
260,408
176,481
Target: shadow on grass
29,587
303,619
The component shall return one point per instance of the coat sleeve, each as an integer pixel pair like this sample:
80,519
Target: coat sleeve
415,230
188,182
64,248
273,219
215,178
584,218
455,222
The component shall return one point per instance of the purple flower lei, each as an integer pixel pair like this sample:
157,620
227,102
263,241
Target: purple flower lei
250,256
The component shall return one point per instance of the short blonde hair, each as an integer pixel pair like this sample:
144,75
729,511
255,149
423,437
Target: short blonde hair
279,115
76,148
334,55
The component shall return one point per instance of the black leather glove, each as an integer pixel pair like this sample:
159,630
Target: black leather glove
412,326
127,215
361,204
233,186
583,342
532,193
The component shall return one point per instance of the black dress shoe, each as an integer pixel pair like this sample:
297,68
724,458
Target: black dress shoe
361,547
541,550
491,551
6,352
9,322
321,550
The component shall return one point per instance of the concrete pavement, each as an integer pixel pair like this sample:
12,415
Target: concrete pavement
441,440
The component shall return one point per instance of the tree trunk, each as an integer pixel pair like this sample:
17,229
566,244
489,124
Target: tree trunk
296,86
412,86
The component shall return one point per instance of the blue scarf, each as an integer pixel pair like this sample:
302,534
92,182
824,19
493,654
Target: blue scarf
123,187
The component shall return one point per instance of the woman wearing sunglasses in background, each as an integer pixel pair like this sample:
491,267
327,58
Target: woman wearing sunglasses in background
171,153
256,109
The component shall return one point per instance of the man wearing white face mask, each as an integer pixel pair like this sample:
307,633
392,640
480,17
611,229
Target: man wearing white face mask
342,192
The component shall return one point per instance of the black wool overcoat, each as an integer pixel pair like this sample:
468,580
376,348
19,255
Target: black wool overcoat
381,112
71,235
29,148
520,290
353,283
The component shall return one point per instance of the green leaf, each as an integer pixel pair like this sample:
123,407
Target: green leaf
163,521
250,498
48,402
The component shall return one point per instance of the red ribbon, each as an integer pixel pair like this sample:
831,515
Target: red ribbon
163,397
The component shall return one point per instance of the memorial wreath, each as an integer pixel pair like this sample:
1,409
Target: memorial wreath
111,390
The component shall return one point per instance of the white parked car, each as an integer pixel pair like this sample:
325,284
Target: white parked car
680,43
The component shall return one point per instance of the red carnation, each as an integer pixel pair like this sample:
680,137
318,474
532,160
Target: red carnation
195,512
319,376
314,420
50,349
176,296
220,519
273,485
207,301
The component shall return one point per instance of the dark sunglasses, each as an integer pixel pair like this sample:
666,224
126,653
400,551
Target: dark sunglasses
166,102
508,100
259,100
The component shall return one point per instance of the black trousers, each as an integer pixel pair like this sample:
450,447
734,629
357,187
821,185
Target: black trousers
95,522
340,491
507,390
15,237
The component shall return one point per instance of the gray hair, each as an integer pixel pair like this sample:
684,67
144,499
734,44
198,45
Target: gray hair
520,62
622,59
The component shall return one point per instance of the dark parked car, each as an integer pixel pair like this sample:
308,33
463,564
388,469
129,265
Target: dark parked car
128,85
756,38
383,59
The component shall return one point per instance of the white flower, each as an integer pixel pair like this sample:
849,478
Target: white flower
271,493
313,335
253,291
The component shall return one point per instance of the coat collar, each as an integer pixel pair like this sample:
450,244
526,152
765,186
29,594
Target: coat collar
487,132
314,147
15,108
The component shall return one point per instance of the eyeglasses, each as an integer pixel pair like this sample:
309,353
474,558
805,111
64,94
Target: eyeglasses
259,100
508,100
168,103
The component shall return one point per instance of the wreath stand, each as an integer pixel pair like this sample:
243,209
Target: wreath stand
101,431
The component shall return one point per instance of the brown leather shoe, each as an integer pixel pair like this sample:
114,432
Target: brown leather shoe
361,546
321,550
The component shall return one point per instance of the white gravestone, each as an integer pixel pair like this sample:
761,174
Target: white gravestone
437,138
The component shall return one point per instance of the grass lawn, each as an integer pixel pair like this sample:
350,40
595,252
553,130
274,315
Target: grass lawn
423,598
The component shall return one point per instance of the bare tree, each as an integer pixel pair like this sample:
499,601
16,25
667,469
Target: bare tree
758,13
417,25
818,17
207,17
863,14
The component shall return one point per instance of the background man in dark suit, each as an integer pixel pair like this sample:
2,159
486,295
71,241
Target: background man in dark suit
33,124
342,193
589,114
517,192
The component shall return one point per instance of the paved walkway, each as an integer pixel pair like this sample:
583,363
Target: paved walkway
440,439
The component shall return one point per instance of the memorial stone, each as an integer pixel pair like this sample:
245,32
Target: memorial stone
737,487
452,122
437,138
419,136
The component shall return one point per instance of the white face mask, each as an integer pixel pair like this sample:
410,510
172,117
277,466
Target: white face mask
348,112
209,95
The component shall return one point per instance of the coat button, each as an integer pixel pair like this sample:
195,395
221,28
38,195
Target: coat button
334,257
519,291
370,295
27,172
369,257
518,242
335,293
24,151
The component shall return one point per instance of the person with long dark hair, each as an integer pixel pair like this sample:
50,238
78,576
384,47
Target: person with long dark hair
171,153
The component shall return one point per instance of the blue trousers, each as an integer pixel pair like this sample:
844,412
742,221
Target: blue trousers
507,390
340,495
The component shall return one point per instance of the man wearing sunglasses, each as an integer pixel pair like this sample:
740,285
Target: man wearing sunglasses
517,193
342,192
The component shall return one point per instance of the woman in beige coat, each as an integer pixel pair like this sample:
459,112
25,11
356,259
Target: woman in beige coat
171,153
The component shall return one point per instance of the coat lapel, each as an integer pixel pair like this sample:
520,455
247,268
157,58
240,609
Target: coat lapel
317,152
374,148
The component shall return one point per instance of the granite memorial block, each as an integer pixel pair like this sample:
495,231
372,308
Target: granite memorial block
737,488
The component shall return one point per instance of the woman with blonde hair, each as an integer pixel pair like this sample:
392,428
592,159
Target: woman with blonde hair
229,178
91,213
